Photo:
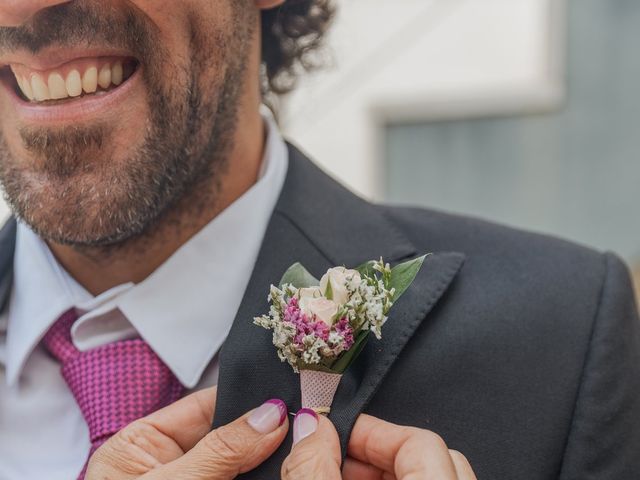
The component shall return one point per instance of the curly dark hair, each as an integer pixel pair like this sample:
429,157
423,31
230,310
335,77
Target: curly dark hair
291,33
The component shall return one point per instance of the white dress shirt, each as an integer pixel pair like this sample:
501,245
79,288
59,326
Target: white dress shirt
184,311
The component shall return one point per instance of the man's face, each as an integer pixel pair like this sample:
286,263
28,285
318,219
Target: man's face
113,110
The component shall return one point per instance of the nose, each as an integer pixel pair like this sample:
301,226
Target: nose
16,12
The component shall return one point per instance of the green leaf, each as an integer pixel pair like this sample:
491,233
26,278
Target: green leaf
299,277
403,275
366,269
349,356
329,291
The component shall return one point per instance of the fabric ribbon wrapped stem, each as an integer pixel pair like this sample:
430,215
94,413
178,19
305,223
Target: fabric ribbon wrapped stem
318,390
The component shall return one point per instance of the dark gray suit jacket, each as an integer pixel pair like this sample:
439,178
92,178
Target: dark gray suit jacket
520,350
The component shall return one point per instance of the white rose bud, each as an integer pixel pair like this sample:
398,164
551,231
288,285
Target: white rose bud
310,292
337,279
324,310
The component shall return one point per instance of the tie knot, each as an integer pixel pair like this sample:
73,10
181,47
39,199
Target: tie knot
58,339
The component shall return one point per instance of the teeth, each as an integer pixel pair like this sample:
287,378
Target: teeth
90,80
117,74
57,87
104,77
25,86
39,88
74,84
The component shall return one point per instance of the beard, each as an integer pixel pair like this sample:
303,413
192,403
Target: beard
72,187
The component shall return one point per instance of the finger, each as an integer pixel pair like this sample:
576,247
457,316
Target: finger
403,451
462,465
233,449
356,470
157,439
316,450
188,420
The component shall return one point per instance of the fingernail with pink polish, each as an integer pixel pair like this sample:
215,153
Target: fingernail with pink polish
305,423
269,416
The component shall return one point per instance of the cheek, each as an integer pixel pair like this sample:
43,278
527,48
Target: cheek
179,24
169,23
191,37
130,130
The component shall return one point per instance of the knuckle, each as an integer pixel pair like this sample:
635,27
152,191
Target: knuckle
136,433
304,463
127,450
227,444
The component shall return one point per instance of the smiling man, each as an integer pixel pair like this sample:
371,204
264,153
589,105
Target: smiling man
133,105
154,203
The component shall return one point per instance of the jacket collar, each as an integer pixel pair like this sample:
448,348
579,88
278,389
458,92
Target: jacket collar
7,249
320,224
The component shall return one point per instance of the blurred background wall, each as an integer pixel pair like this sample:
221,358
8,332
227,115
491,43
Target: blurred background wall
524,112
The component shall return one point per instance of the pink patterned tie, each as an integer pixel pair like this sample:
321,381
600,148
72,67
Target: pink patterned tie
114,384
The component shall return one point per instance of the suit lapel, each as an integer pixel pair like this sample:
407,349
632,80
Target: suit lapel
320,224
362,380
7,250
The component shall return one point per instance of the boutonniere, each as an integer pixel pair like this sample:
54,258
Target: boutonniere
321,326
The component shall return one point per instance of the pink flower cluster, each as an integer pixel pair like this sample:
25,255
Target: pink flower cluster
343,328
306,326
294,315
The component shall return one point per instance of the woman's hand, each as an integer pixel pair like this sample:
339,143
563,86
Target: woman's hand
175,442
377,450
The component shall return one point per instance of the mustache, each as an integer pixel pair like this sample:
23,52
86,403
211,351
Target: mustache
79,23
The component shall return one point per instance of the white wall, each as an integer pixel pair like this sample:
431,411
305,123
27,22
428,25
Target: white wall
409,59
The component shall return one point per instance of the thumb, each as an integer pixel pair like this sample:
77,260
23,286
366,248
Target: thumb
233,449
316,449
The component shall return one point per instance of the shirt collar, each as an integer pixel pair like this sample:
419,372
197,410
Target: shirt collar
184,310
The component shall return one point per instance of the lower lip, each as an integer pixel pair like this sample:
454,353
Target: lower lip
80,109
